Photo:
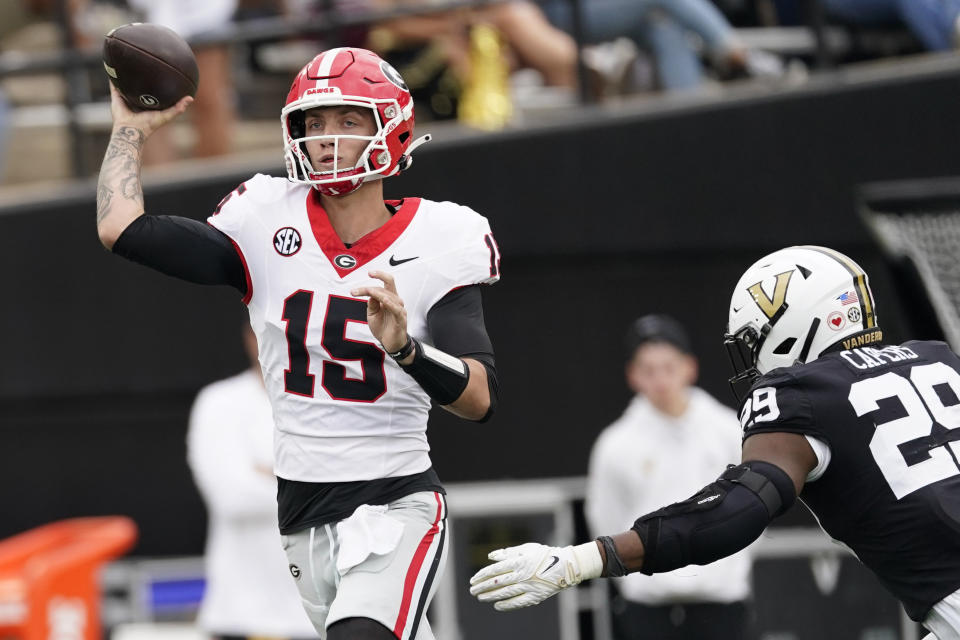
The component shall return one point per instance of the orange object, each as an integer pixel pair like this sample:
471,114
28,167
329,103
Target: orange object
49,587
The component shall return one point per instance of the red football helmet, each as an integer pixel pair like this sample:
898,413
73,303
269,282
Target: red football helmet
356,77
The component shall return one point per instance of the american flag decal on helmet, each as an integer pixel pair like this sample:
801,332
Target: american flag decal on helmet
848,297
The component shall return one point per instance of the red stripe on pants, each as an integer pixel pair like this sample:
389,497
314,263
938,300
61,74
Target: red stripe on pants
414,570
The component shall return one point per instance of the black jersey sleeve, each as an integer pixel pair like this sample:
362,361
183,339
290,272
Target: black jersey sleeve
779,402
456,326
183,248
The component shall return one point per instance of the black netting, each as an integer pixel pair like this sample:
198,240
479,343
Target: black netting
923,245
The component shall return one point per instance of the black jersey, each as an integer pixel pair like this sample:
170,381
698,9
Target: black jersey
891,492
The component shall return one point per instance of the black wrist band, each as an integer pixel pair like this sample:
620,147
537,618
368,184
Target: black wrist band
615,567
404,351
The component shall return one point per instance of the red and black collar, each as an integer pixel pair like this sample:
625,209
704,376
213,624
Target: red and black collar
366,248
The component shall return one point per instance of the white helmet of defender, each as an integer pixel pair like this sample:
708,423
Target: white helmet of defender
791,305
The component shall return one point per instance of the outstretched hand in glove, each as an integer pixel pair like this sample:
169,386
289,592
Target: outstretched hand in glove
528,574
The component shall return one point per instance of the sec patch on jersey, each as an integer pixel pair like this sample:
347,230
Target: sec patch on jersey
150,65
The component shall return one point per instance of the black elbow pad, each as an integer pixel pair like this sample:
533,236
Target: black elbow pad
721,519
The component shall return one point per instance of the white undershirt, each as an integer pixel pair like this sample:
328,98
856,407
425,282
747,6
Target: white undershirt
822,451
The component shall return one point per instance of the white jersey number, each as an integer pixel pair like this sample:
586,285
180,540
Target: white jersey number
760,407
298,380
911,450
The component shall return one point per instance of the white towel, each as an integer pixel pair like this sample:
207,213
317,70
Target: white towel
368,531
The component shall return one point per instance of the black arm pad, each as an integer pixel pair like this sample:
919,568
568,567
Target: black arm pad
721,519
442,376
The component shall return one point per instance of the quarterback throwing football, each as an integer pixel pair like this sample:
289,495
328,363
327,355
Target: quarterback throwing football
365,310
864,432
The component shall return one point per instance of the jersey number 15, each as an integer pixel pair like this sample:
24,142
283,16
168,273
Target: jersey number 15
340,311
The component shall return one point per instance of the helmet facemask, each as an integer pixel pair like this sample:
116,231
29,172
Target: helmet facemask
374,161
743,349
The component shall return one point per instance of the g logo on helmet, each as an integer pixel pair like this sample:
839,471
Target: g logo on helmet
345,261
149,101
393,75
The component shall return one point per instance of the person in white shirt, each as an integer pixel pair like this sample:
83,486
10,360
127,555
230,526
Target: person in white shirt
230,451
668,443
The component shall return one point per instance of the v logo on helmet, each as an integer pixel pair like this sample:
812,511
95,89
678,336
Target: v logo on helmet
771,305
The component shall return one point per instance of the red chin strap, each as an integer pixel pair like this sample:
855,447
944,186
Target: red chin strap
340,188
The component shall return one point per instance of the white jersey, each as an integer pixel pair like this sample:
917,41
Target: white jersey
343,410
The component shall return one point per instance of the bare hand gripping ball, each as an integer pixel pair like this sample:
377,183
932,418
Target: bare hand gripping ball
150,65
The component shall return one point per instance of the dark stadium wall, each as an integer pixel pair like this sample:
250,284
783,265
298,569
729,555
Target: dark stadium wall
598,222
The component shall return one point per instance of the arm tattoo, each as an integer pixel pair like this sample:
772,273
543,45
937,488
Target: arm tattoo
130,188
120,174
104,196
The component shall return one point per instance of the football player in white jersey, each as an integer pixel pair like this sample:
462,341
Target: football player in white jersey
365,310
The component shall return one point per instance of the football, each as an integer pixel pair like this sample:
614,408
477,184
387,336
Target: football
150,65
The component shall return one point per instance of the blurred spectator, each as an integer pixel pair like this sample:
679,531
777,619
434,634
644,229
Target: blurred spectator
936,23
14,16
485,101
90,20
666,446
662,26
250,592
312,11
213,112
432,51
535,42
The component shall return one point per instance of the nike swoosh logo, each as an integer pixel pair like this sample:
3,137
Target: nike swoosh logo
394,262
554,560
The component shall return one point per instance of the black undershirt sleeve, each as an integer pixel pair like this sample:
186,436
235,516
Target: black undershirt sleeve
183,248
456,327
456,324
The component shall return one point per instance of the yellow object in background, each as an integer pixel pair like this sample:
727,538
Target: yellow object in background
485,102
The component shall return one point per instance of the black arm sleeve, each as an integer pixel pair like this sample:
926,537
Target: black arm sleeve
457,327
183,248
456,324
719,520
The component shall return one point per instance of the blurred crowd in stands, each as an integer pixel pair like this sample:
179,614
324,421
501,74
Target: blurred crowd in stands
445,48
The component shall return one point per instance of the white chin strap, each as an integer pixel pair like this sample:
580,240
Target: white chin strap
419,142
